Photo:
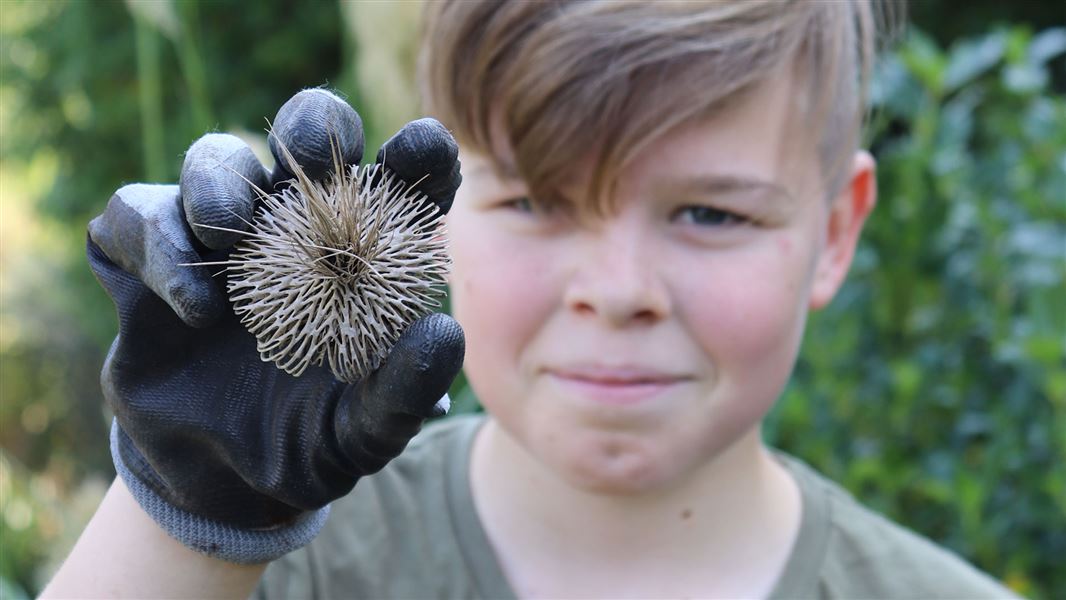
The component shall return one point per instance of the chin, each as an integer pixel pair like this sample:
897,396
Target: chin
610,465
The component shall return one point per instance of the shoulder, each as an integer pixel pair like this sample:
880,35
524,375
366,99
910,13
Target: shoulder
412,487
393,536
866,555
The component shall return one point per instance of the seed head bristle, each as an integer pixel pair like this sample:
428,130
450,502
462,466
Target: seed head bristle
334,271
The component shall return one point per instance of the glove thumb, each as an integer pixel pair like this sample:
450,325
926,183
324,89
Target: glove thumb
374,423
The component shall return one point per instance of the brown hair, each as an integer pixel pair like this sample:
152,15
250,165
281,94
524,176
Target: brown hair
600,80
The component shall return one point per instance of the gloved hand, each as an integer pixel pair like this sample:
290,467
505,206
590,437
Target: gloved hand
217,445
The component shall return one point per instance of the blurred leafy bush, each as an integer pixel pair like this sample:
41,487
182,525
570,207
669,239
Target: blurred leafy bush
94,95
934,387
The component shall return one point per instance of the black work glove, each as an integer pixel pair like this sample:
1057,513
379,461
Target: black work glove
203,422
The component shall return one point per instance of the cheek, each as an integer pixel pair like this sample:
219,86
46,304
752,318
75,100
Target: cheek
751,305
499,294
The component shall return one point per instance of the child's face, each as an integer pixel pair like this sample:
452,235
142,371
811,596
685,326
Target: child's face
627,351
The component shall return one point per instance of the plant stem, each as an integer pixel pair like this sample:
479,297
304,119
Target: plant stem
192,67
151,99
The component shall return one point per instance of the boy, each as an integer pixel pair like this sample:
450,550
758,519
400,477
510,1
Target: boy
655,196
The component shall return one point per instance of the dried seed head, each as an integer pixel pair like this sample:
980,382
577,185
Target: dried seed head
335,271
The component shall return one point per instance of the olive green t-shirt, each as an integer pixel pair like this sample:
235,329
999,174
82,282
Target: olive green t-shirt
411,531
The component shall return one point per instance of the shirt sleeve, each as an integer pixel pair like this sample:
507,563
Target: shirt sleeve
288,577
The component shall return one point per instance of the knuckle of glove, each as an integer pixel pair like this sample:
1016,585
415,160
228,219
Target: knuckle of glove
368,439
143,232
304,126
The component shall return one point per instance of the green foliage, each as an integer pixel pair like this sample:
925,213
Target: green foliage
92,97
92,77
935,385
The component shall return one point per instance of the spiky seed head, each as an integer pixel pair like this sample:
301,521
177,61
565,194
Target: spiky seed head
334,271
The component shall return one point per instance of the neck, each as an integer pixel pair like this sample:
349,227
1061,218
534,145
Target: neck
734,514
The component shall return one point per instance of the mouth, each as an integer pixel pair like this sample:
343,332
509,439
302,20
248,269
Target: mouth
615,385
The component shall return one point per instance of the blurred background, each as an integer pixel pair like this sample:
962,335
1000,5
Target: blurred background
934,387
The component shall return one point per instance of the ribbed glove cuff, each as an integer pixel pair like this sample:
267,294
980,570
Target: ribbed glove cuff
213,538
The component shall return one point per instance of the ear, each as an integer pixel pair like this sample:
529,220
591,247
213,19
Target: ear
846,217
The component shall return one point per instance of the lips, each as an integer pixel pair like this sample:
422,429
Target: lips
615,384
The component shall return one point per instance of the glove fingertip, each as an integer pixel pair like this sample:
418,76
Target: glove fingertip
218,184
421,366
423,152
308,126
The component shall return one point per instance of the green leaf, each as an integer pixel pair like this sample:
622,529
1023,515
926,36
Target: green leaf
971,58
1047,45
1025,78
925,61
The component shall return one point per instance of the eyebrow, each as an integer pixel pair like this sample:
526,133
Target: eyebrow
506,170
721,184
706,184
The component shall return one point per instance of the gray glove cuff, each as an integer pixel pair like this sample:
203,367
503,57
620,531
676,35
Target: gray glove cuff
215,539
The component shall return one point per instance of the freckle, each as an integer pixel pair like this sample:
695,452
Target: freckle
685,514
613,451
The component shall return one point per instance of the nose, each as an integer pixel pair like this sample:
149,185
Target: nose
618,279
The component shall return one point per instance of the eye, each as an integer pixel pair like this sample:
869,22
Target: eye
520,204
708,216
528,206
